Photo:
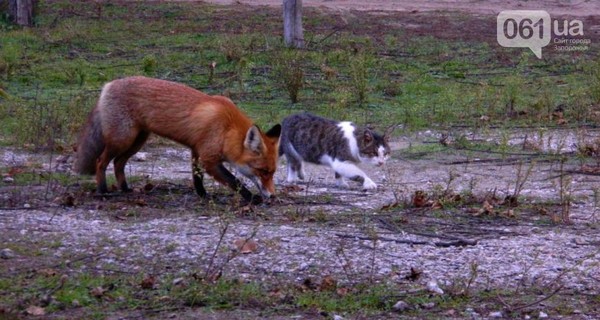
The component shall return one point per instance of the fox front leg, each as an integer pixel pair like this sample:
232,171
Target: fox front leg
197,176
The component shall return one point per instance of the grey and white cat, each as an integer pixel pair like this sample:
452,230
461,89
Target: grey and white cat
340,145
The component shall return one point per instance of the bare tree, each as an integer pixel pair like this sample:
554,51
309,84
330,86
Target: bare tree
293,34
21,11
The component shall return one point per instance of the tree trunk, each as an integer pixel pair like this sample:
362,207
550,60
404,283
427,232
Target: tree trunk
21,12
293,34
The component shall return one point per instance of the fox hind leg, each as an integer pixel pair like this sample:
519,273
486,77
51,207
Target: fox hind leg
101,163
198,175
121,160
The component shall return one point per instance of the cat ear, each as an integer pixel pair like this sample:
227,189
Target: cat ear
368,136
274,132
253,141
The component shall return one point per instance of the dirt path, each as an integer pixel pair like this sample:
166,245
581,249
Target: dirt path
493,7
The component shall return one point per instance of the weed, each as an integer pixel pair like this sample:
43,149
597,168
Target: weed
149,65
289,72
521,177
565,197
594,83
10,55
514,87
361,69
76,73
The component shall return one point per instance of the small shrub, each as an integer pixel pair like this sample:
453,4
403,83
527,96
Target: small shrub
514,94
595,81
341,99
149,64
234,48
10,53
360,69
289,72
50,124
76,73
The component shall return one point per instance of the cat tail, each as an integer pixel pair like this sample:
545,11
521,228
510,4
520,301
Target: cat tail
283,143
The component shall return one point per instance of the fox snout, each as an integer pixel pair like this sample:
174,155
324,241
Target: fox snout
267,188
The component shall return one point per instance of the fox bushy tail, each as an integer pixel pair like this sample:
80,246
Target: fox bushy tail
90,145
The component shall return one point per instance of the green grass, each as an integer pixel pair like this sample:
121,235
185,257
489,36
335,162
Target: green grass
53,72
97,295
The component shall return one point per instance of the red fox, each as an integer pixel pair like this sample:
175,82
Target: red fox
216,131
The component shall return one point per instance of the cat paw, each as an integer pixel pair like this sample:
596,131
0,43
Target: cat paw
369,184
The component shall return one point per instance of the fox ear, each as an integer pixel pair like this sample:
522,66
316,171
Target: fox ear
253,141
274,132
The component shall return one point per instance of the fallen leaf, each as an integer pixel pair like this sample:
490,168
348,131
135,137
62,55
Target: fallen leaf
246,246
277,293
509,213
419,199
471,210
342,292
98,292
35,311
48,272
15,170
328,284
292,188
414,275
215,276
68,200
148,187
437,205
308,284
148,282
486,208
449,313
245,210
141,202
456,198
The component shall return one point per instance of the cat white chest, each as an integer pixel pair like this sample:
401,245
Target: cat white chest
348,130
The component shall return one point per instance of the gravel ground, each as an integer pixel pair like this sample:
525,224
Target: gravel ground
115,235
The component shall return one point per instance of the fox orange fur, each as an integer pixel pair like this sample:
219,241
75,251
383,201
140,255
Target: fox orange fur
216,131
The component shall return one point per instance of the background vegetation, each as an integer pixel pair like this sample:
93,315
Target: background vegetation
370,72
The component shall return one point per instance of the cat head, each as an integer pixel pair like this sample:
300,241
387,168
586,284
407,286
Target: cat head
374,147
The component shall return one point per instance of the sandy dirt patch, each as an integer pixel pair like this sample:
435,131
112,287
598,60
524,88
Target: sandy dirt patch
493,7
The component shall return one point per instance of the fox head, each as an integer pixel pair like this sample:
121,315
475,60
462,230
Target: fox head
259,158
